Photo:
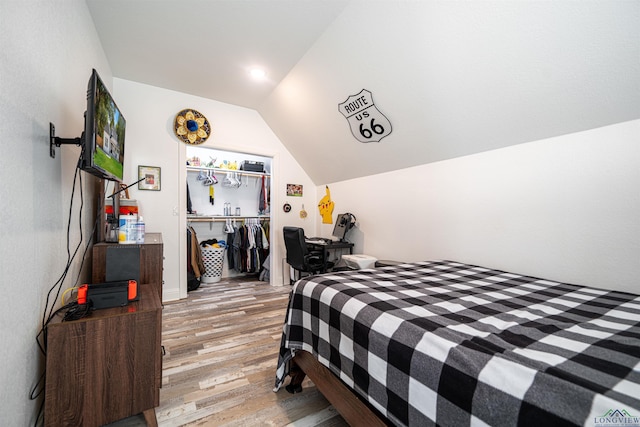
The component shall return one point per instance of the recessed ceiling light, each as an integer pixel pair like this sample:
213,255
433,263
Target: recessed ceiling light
257,73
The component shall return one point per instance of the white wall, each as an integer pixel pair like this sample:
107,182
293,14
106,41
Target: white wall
47,51
150,141
564,208
456,78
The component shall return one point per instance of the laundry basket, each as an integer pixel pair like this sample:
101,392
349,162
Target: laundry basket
213,259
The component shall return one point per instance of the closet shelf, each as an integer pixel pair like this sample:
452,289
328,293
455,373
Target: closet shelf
219,170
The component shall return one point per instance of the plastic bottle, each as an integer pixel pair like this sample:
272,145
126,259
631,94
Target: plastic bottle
126,229
140,230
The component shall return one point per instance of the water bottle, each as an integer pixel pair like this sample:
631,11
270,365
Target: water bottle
140,231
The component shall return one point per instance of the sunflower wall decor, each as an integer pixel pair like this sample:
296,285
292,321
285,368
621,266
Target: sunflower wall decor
191,127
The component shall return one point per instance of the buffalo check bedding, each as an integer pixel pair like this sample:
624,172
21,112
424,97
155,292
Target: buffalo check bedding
445,343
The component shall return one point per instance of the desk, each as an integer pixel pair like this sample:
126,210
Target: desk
327,247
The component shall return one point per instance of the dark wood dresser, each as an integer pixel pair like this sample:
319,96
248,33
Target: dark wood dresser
107,366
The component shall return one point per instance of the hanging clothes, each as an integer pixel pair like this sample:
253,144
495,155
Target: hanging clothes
237,244
249,247
262,201
195,262
230,229
189,205
264,197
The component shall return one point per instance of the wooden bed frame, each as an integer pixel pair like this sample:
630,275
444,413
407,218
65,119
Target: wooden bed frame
347,403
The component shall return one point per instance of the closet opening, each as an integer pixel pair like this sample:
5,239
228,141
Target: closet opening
228,214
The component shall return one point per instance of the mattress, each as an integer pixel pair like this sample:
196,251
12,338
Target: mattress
446,343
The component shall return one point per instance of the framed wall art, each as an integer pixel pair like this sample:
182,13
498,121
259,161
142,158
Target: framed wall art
294,190
150,176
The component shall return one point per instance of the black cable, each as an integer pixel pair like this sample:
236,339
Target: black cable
48,312
70,257
77,311
96,222
49,305
36,391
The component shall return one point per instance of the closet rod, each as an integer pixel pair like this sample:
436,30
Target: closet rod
225,218
219,170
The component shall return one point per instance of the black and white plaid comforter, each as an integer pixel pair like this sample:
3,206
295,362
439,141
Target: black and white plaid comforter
452,344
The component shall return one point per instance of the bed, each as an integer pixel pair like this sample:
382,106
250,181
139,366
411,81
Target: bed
446,343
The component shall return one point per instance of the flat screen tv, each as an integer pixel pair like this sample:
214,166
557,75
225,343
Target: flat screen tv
103,139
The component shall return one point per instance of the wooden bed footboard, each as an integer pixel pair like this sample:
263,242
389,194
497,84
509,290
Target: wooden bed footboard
353,410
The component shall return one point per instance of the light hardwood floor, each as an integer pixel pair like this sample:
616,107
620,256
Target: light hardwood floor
221,354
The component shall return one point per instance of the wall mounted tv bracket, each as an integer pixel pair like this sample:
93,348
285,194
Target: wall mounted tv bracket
55,141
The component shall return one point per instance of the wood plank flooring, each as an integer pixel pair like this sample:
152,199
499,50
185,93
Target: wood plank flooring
221,348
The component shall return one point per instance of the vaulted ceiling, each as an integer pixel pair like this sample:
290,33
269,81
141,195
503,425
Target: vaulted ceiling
447,78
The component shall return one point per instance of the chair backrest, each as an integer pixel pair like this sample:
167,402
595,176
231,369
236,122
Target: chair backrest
296,247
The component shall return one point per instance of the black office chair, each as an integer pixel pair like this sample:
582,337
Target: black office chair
298,255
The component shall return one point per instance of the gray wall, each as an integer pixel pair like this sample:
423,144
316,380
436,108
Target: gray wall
47,51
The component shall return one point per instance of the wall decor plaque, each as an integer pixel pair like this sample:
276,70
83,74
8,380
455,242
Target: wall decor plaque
367,123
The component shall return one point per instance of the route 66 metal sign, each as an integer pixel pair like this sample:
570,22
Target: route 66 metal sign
367,123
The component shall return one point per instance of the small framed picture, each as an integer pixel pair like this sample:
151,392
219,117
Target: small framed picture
150,176
294,190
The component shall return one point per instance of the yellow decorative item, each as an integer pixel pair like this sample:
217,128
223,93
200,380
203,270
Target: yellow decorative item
326,207
191,127
228,164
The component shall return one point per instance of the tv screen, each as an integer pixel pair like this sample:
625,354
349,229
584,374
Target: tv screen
104,133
